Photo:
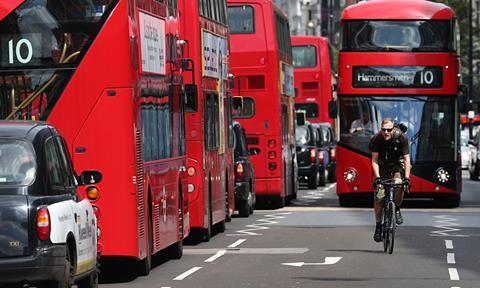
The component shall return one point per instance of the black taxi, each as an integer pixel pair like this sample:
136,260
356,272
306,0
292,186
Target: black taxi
48,236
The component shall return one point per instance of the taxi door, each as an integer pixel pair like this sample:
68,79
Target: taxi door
85,228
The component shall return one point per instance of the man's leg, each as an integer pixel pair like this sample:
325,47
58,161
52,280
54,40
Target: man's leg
379,195
397,179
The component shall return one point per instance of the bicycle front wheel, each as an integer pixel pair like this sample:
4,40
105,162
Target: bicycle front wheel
391,228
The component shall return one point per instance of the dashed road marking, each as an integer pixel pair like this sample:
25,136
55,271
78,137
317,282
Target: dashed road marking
236,243
219,253
187,273
449,244
453,274
451,258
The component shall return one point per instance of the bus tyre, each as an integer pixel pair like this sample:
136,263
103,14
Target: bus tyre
221,227
91,281
145,265
207,232
176,250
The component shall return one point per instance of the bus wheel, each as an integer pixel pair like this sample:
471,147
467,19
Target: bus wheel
176,251
145,265
207,232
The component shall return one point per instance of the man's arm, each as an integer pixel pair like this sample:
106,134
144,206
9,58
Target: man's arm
406,161
375,167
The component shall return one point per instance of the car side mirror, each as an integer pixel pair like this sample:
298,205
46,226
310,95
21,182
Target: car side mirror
332,109
472,142
254,151
191,95
89,177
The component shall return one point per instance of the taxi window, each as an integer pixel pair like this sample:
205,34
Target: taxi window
17,163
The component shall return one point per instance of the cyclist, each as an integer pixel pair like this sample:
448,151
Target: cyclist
390,160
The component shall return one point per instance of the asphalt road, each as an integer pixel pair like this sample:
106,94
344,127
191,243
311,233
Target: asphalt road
315,243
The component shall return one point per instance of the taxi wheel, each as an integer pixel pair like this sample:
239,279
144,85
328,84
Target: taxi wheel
68,272
91,281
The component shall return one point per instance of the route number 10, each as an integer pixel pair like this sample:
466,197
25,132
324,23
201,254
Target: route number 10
21,43
426,77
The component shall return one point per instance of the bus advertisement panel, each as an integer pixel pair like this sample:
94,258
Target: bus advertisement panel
404,65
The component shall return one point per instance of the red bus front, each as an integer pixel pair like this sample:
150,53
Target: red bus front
100,73
313,77
261,62
403,66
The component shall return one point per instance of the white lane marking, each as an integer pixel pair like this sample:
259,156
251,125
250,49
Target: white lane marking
449,244
187,273
220,253
453,274
447,225
328,261
165,287
451,258
236,243
268,220
258,251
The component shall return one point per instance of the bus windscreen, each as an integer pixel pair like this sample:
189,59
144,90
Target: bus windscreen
397,36
429,119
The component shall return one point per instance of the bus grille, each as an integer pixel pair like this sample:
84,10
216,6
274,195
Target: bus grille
140,192
157,220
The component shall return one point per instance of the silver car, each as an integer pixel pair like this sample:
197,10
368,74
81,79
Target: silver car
465,149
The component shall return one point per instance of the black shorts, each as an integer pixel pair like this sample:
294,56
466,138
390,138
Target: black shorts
387,172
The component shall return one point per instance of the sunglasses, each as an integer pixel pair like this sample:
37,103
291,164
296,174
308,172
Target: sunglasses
387,129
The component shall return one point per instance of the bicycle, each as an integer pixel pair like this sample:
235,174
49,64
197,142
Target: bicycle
388,214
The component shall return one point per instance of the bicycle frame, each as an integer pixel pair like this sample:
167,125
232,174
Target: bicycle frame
388,214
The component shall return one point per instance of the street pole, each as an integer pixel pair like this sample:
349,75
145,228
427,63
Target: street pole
470,65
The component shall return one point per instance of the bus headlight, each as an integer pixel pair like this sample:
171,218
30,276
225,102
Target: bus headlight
442,175
350,175
191,188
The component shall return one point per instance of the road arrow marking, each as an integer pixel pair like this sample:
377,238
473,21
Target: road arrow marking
328,261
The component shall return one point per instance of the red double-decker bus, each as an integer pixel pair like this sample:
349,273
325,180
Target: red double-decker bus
208,118
313,76
261,60
401,63
106,74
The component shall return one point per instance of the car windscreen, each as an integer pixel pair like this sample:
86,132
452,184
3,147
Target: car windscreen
17,163
302,135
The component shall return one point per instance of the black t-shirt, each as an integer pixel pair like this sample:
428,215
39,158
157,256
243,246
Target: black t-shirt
390,152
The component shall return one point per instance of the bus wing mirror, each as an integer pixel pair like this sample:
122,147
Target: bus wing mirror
237,103
191,95
89,177
254,151
332,109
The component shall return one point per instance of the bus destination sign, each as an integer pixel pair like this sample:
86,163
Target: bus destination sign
397,77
